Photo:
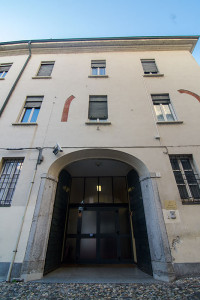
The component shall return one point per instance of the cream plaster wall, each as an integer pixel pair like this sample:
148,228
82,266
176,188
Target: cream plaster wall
132,126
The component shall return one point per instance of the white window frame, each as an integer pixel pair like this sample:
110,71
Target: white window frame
161,105
32,110
4,73
103,61
30,116
190,198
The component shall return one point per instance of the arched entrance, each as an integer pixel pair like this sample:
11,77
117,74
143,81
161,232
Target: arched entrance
143,205
98,217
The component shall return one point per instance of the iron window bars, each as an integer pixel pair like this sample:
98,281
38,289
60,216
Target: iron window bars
8,180
187,179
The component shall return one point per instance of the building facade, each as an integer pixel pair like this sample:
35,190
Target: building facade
99,155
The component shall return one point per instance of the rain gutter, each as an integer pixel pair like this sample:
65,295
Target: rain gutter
16,81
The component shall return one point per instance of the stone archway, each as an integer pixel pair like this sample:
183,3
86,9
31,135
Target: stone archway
34,261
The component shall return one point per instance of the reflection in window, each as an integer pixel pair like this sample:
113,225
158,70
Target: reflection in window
163,108
31,109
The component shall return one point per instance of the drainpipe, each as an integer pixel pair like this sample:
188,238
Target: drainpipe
39,160
16,81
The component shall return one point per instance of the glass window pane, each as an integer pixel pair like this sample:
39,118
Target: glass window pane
120,190
4,74
94,71
124,222
102,71
174,163
107,222
88,222
26,115
190,177
108,248
34,115
178,177
105,190
167,112
91,194
186,164
70,250
195,191
88,249
183,192
72,221
158,112
126,251
77,190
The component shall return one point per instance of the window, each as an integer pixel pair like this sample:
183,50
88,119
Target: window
8,180
31,109
98,109
98,67
186,178
4,68
46,68
149,66
163,108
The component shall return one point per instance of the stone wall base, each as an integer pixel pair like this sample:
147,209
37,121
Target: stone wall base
163,271
186,269
16,270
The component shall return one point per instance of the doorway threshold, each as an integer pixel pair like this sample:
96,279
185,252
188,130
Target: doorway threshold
97,274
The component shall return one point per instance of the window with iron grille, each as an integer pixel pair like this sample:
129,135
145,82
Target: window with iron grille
4,68
98,67
149,66
163,108
8,179
98,109
186,178
46,68
31,109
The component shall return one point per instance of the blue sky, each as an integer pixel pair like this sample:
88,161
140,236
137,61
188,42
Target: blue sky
45,19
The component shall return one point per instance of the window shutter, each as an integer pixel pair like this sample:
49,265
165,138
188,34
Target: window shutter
4,68
45,69
98,108
149,66
161,99
33,102
98,63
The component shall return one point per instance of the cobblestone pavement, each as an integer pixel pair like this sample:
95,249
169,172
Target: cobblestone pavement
183,289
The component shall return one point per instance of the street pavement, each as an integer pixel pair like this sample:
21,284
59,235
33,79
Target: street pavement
182,289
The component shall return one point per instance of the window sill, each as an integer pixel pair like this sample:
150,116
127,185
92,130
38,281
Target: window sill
41,77
98,123
169,122
25,124
2,78
153,75
98,76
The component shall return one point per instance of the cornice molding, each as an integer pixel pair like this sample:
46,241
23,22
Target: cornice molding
101,45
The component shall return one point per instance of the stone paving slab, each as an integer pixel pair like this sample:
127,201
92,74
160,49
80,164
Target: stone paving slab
183,289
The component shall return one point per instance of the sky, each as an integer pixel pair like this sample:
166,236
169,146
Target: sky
55,19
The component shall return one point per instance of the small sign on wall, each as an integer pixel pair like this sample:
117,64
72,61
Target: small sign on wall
170,205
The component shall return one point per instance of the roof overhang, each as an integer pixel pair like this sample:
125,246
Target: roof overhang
173,43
